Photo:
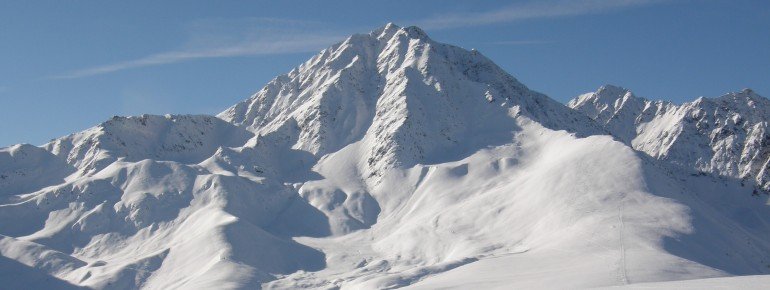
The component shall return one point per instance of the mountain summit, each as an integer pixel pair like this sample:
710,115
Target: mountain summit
389,160
410,99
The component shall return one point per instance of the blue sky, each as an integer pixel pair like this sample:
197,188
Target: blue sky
68,65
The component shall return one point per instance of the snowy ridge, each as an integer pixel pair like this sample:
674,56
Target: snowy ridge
727,135
183,138
388,160
26,168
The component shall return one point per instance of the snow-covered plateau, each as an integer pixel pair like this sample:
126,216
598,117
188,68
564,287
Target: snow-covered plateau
391,160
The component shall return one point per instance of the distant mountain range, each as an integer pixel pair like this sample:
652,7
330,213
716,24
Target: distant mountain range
726,136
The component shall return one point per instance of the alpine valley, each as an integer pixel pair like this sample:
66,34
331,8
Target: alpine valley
391,160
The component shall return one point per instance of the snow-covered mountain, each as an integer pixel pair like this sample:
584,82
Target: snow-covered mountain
727,135
387,160
409,99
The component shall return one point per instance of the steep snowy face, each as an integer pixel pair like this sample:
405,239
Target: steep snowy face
410,99
727,135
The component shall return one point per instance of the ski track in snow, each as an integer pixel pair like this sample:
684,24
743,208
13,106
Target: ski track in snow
621,229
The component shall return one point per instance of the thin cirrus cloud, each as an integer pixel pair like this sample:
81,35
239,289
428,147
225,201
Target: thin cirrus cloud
262,36
305,43
531,10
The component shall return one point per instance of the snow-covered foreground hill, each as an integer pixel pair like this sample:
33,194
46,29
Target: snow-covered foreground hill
388,160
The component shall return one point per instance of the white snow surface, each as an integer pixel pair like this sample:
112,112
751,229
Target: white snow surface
388,160
727,135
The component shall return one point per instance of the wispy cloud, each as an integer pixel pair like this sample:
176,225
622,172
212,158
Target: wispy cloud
530,10
251,48
227,38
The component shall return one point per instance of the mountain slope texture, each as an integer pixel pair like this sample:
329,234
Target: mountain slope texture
391,160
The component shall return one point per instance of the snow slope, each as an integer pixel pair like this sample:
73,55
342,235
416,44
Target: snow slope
746,282
548,210
387,160
727,135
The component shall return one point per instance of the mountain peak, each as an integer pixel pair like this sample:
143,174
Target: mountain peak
385,31
612,89
611,93
604,97
746,96
416,33
401,92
